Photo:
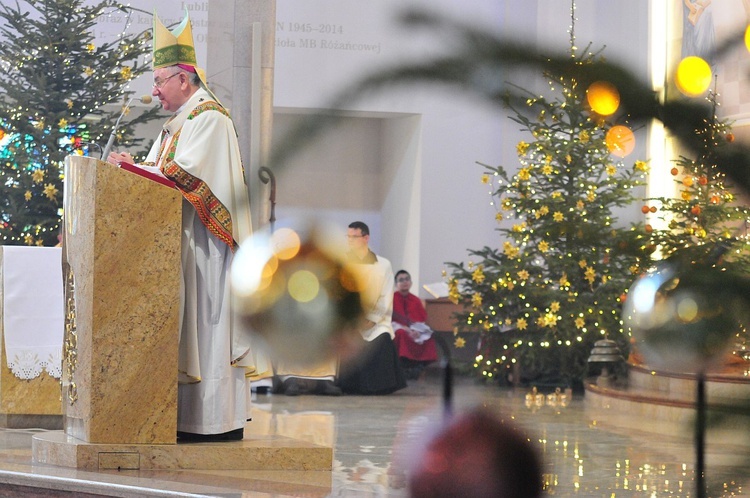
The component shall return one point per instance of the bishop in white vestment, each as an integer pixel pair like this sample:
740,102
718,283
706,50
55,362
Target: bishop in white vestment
198,150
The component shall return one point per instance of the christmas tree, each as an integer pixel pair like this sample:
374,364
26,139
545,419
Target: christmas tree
703,223
54,84
704,226
557,283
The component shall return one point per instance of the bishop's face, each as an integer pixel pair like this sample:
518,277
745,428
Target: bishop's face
171,87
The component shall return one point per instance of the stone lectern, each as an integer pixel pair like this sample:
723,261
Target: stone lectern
121,271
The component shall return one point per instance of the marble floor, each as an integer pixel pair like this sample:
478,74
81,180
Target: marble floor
586,452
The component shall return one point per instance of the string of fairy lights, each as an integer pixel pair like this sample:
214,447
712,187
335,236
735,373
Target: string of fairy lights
33,143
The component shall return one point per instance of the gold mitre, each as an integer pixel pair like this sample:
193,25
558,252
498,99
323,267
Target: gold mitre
173,47
176,47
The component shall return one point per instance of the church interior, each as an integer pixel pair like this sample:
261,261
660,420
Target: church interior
595,151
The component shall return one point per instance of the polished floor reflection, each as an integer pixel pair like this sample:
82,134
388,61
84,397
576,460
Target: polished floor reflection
586,451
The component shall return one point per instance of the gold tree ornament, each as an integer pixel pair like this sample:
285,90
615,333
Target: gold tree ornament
50,191
296,293
693,76
620,141
603,97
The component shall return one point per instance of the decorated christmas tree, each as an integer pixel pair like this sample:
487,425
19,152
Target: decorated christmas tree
704,222
704,226
557,281
54,83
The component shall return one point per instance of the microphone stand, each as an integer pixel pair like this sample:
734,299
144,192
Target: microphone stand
111,141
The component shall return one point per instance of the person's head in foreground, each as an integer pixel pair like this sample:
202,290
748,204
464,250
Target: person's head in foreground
477,455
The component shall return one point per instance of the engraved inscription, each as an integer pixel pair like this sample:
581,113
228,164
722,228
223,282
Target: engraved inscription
322,36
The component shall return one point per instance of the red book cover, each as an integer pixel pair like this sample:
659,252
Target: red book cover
147,174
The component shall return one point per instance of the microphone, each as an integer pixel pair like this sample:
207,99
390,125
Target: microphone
145,99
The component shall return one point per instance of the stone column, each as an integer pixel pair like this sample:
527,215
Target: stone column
241,38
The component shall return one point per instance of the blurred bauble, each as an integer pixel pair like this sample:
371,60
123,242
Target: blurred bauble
683,318
297,294
620,140
603,97
693,76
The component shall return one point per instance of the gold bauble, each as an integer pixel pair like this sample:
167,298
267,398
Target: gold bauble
693,76
603,97
295,292
620,141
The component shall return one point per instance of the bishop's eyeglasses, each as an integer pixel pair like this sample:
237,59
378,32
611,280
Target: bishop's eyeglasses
161,83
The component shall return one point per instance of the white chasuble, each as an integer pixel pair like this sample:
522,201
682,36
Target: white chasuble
198,150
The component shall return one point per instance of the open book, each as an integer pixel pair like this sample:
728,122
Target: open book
437,290
147,174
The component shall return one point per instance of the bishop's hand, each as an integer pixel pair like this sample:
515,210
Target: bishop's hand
120,157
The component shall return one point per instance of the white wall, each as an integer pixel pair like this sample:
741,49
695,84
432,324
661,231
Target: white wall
428,139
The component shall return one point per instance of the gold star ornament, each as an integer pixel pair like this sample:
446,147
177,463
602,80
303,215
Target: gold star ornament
478,275
50,191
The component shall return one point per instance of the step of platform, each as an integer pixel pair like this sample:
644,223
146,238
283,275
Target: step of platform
252,453
659,397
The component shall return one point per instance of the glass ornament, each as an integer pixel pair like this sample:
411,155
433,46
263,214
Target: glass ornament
683,317
296,293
